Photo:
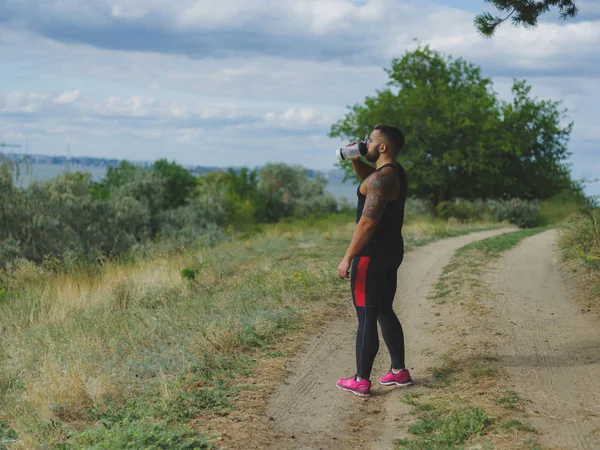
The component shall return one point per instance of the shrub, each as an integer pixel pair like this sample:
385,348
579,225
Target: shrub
561,206
71,221
457,209
581,240
463,210
523,213
418,207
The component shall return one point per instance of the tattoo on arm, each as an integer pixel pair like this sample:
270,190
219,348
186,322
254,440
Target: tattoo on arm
378,189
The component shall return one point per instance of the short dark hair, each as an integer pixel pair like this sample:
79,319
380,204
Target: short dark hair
393,134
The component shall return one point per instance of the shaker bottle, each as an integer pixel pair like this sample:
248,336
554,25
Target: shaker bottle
352,151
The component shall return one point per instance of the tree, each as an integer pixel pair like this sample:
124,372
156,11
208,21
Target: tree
179,183
291,191
533,130
461,141
521,12
115,178
245,202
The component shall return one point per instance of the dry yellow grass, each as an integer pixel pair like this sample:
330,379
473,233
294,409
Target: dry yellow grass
90,340
579,244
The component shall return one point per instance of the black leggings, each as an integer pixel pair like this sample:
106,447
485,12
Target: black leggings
373,282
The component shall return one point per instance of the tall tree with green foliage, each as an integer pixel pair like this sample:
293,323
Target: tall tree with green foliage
461,140
179,182
536,167
115,177
522,13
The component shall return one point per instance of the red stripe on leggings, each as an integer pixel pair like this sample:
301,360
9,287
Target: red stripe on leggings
361,280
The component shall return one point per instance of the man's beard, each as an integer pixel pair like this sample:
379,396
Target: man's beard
372,156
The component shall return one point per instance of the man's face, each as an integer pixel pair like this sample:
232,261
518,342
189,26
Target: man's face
373,145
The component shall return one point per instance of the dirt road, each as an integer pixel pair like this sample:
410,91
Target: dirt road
311,413
549,347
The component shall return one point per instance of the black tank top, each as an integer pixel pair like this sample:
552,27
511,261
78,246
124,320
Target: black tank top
387,239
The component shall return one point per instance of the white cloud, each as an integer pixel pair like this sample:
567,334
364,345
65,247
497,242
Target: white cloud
67,97
366,33
265,76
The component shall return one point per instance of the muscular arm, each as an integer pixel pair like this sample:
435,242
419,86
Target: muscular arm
379,189
362,169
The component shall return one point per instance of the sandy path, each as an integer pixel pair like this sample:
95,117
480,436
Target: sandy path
309,412
549,347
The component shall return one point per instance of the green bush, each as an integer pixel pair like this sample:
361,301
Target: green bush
523,213
561,206
460,210
418,207
463,210
72,221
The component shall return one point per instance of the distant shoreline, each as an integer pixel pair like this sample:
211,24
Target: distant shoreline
43,171
92,162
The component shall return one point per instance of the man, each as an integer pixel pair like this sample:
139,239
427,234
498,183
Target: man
375,253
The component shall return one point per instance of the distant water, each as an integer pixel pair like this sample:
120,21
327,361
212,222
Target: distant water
43,172
340,189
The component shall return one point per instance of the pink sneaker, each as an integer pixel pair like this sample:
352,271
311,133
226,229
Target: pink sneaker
400,379
361,388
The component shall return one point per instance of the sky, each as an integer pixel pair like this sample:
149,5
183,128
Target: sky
244,83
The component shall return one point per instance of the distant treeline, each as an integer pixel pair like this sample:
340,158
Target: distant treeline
72,218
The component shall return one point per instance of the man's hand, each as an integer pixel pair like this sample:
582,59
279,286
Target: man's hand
344,269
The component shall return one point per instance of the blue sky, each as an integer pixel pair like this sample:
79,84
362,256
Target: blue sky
239,83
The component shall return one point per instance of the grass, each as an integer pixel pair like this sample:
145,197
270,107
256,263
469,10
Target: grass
469,262
579,245
464,405
128,355
510,399
518,425
422,232
560,207
493,248
483,371
446,430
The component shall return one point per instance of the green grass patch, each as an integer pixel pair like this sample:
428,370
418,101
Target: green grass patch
6,434
137,434
439,431
518,425
467,264
320,224
410,398
442,374
435,230
483,371
510,399
444,371
494,247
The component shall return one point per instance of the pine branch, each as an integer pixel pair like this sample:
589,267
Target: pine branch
527,13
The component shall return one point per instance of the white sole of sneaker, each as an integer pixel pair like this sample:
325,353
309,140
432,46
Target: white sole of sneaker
392,383
360,394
